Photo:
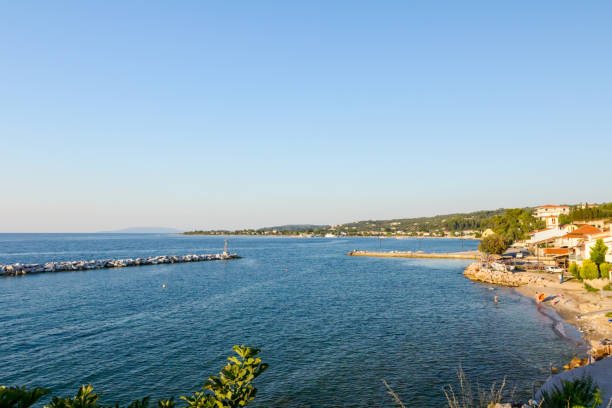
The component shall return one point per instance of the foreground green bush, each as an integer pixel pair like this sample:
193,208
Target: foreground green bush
581,392
589,270
574,269
232,388
604,268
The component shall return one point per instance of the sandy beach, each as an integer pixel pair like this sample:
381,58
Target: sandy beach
583,309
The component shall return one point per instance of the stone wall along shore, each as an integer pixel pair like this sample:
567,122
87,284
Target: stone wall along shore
50,267
482,273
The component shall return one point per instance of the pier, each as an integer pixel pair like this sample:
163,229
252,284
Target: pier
419,254
19,269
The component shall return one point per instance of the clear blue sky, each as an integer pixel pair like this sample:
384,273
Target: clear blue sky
246,114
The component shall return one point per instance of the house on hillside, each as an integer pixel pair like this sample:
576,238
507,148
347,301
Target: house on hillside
601,223
550,214
577,237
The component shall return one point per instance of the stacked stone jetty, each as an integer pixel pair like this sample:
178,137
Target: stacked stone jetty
50,267
484,273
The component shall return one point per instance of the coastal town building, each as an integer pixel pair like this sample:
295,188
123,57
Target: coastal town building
577,236
569,227
600,223
544,211
545,236
550,214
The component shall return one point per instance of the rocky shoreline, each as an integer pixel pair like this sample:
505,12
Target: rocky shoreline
481,273
19,269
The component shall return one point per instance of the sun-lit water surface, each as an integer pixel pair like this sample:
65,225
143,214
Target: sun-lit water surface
330,326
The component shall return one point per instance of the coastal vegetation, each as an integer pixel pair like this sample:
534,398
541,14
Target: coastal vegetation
581,392
468,396
598,254
514,224
590,288
493,244
574,269
457,224
604,269
584,212
589,270
232,388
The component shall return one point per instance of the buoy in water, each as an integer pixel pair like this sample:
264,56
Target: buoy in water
164,286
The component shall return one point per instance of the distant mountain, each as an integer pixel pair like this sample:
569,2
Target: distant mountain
143,230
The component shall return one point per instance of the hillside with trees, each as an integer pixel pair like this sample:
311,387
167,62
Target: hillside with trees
587,213
511,224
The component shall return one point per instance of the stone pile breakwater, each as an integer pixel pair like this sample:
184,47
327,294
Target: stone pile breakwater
482,273
50,267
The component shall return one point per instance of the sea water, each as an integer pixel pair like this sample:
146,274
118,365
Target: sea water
331,326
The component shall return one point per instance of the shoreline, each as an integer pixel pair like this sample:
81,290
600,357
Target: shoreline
400,237
410,254
586,311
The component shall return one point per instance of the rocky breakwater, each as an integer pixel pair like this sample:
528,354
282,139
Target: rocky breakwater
50,267
481,272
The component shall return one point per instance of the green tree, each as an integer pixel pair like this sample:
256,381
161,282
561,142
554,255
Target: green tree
598,252
493,244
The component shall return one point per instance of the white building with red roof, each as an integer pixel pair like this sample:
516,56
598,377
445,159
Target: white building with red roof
551,214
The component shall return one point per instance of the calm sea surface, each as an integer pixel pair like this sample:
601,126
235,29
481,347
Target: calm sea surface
330,326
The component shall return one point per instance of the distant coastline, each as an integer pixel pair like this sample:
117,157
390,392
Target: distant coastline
143,230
